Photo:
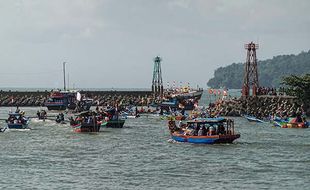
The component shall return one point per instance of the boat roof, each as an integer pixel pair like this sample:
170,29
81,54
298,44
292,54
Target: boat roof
85,113
208,120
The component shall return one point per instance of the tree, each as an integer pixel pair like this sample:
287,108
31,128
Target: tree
298,86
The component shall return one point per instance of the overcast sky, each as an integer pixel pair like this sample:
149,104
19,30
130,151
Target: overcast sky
112,43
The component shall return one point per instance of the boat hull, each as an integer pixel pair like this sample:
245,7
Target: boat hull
286,124
213,139
86,128
114,124
18,126
56,107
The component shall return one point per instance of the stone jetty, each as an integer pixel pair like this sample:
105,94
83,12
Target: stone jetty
101,98
260,106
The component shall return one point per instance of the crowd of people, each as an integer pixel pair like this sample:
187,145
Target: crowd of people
101,114
266,91
198,128
18,117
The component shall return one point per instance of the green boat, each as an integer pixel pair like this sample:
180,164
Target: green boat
114,123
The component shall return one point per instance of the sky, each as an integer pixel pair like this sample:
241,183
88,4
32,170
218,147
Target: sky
112,43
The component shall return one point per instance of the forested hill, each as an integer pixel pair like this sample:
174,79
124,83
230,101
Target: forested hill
270,71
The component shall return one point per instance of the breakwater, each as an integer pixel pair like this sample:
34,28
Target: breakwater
260,106
101,98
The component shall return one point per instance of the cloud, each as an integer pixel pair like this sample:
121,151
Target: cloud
103,36
42,20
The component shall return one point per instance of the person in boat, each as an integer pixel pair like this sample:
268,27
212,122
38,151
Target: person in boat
298,118
72,121
136,111
172,126
17,109
60,118
194,131
202,131
42,114
187,130
211,130
221,129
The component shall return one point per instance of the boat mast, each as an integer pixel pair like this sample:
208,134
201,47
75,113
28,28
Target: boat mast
64,72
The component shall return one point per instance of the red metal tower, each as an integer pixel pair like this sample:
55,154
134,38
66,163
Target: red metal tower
250,70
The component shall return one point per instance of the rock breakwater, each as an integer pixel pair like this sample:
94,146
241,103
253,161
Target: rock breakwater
260,106
101,98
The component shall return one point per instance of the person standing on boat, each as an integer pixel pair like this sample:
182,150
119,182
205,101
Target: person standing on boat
17,110
201,131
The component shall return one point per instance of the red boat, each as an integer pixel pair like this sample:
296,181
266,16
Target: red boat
86,122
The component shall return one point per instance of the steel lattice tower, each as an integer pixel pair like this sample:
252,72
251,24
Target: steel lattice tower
157,84
250,70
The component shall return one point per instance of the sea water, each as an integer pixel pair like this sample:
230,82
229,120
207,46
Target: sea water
142,156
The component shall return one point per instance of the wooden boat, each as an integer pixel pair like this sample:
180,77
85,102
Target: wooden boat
86,121
17,121
219,130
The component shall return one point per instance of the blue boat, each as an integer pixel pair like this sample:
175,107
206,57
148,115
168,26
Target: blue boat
204,131
17,121
61,100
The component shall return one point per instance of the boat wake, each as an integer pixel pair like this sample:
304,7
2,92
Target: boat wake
36,120
173,141
21,130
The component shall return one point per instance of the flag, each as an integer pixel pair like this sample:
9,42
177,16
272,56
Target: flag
78,96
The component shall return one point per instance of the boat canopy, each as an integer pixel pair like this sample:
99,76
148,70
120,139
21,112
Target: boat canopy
15,114
86,113
208,120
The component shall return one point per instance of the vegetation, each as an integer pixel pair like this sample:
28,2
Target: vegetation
298,86
270,71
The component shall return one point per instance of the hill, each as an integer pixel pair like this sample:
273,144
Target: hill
270,71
